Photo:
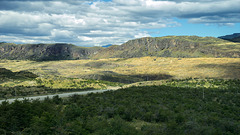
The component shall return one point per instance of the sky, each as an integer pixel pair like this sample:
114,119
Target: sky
103,22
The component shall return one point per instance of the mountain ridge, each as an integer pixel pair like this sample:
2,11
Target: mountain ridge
235,37
168,46
172,46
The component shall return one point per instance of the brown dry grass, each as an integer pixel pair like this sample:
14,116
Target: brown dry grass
226,68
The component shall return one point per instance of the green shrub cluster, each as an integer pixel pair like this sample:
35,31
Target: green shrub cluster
204,83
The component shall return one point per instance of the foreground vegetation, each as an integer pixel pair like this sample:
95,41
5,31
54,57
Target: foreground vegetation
178,107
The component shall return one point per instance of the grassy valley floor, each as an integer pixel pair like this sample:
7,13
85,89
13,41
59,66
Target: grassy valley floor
132,69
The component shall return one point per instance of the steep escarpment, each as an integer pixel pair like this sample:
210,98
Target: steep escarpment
43,52
173,46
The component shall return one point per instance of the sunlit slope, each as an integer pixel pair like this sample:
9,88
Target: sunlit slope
132,69
173,46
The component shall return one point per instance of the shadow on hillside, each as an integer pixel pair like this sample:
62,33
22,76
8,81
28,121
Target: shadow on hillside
231,70
6,74
121,78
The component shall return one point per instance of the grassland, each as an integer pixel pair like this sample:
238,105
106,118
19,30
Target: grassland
138,69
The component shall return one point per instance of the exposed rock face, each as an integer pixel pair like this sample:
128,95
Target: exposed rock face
41,52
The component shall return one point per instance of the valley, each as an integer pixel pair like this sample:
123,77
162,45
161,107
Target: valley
135,69
117,67
166,85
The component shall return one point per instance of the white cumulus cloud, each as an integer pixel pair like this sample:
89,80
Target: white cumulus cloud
89,23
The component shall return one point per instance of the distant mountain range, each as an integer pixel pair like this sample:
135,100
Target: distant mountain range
168,46
233,37
106,46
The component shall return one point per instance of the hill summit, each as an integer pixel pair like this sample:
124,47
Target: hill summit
168,46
